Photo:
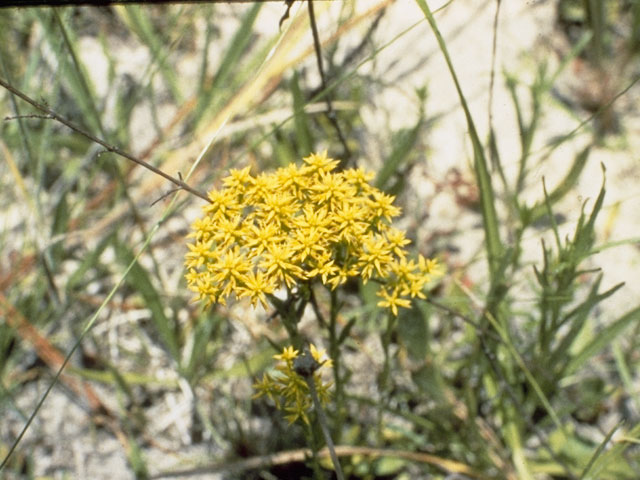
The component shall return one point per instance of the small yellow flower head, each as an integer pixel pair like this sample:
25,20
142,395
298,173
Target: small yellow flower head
299,225
288,389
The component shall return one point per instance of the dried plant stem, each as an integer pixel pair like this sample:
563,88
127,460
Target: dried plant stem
51,114
331,114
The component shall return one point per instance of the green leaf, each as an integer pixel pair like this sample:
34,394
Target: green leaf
219,91
136,459
61,216
143,27
403,143
483,178
413,331
429,380
300,118
603,339
531,215
139,280
82,90
612,464
403,150
91,260
598,451
578,317
344,334
205,327
386,466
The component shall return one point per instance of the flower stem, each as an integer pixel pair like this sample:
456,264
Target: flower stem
334,350
322,419
383,379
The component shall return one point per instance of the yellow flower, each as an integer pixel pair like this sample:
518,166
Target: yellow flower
289,353
382,205
392,301
397,240
319,163
301,225
320,356
276,263
289,390
239,179
256,286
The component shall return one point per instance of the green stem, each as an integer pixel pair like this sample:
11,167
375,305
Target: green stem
315,462
334,351
290,312
324,426
383,380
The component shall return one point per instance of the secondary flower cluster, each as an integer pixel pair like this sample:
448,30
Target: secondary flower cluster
300,224
289,390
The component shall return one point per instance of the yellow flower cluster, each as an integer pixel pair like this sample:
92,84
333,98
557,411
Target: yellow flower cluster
289,390
300,224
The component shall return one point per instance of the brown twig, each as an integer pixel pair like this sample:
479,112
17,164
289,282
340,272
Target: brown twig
300,455
331,114
110,148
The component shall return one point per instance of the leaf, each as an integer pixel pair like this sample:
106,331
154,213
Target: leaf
598,451
139,280
604,338
386,466
535,213
612,461
201,336
300,118
218,92
403,143
579,316
91,260
483,178
413,331
138,20
429,380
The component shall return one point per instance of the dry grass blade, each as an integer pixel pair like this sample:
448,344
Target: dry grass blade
301,455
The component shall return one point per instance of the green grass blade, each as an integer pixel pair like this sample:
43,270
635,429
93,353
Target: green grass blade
602,461
202,334
301,118
139,280
578,319
564,186
142,26
603,339
489,216
84,332
217,94
403,149
598,451
529,376
624,372
85,94
91,260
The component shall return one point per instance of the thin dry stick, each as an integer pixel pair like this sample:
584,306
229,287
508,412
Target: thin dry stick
300,455
331,114
110,148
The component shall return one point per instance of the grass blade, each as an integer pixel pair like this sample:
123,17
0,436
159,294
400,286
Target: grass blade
139,280
489,216
604,338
